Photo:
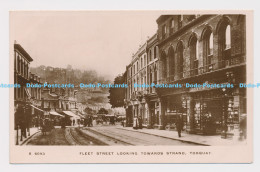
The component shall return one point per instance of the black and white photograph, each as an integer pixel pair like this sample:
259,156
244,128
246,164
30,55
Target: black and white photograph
130,78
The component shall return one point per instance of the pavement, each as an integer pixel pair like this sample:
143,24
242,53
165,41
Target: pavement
214,140
33,131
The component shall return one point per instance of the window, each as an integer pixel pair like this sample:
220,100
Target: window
164,65
18,64
22,65
194,56
141,62
150,55
171,26
180,18
171,63
144,60
180,61
137,67
207,49
224,43
155,52
210,47
227,38
163,31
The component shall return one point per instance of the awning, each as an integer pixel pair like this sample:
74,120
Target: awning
69,113
110,115
56,114
37,108
81,115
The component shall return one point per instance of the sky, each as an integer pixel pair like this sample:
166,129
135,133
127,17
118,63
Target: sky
99,40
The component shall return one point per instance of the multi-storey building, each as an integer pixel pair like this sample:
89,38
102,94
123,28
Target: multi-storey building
26,99
22,62
142,70
198,49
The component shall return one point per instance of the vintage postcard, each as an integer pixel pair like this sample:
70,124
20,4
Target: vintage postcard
131,86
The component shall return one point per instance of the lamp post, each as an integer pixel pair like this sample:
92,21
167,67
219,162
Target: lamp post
224,114
226,107
185,109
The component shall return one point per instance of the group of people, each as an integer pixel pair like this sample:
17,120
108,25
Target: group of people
88,122
46,125
137,124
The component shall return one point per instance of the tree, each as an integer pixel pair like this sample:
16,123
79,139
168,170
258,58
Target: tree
117,94
89,111
102,111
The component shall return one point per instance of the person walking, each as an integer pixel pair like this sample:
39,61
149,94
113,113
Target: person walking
140,122
179,124
135,123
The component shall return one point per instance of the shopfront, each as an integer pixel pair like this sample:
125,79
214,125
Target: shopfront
214,111
177,105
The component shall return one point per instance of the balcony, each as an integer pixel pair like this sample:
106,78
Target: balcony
196,71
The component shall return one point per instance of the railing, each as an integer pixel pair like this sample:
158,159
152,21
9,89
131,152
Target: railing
204,69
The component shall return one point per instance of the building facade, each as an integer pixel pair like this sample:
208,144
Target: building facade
26,99
199,49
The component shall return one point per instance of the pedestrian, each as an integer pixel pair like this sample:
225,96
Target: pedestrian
140,122
91,121
179,124
242,126
135,123
112,120
122,123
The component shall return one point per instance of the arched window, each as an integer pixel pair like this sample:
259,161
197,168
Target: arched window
155,52
179,64
150,55
210,47
155,74
207,49
171,63
194,56
164,66
227,38
224,43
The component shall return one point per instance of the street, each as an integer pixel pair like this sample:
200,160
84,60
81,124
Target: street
100,135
